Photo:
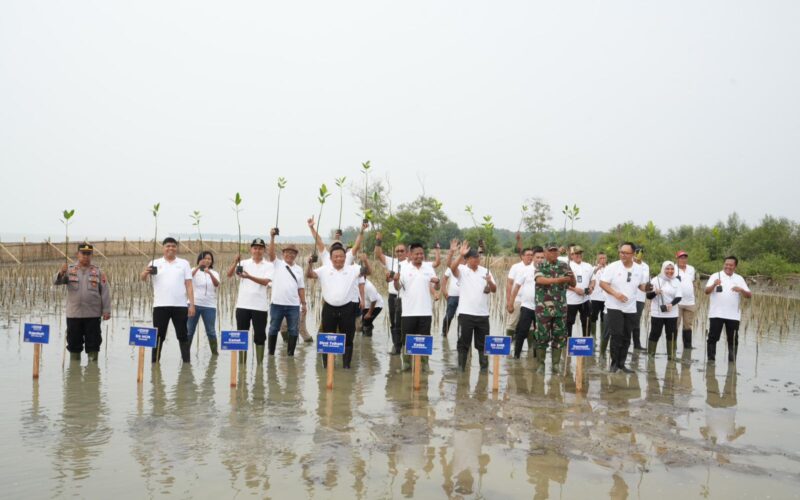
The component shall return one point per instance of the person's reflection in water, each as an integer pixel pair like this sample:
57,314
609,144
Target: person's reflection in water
619,490
720,425
546,463
84,429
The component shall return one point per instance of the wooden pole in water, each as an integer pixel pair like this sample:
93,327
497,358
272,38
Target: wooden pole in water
579,374
329,383
417,372
234,360
140,368
36,350
496,374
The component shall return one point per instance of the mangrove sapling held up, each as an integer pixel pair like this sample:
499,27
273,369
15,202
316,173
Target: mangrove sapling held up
67,214
340,183
365,170
237,202
153,268
196,218
323,195
281,185
488,226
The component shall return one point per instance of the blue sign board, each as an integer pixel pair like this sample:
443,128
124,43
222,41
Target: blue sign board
235,340
36,334
419,345
497,346
141,336
330,343
581,346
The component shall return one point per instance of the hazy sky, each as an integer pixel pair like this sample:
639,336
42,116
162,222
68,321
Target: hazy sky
679,111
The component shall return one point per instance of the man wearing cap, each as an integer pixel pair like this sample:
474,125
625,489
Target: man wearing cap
252,305
578,295
88,300
172,291
552,278
288,294
685,273
641,297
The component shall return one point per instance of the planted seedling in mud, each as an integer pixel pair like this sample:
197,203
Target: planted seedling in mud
340,184
365,170
67,214
153,268
196,218
237,208
281,185
323,195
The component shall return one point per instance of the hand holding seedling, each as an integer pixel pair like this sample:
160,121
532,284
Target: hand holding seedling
310,222
273,232
464,248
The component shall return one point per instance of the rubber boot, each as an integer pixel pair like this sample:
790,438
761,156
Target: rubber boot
212,344
74,356
462,360
292,345
242,357
592,329
651,348
185,349
284,336
483,360
603,345
555,359
272,341
541,355
426,367
510,333
260,352
531,348
396,348
406,363
671,349
622,353
687,339
93,356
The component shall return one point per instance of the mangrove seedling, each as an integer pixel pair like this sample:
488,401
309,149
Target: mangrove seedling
488,226
237,208
323,195
196,218
67,214
153,268
365,170
570,214
340,184
281,185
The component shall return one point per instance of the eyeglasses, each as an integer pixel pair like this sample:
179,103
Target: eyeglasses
625,253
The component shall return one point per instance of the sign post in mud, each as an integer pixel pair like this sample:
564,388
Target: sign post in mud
580,347
418,346
330,344
234,341
141,337
37,335
496,346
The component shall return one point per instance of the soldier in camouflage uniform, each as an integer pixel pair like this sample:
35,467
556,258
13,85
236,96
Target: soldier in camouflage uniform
88,299
552,279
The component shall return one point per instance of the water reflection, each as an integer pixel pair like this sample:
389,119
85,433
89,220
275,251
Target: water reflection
721,407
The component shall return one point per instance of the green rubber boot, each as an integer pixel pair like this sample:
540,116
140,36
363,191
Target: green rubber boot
671,350
509,333
406,363
592,328
603,345
212,344
242,357
93,356
531,345
260,354
541,355
651,348
74,356
555,359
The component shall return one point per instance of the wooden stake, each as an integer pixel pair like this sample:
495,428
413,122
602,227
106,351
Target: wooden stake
496,374
140,369
417,371
329,384
234,360
579,374
36,350
9,253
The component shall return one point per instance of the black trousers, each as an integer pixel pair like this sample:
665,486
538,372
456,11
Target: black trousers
670,325
245,317
527,320
573,310
597,310
340,319
395,315
472,327
637,331
375,313
731,335
415,325
620,327
161,318
83,331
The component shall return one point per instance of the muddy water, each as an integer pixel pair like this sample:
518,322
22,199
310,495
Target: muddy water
671,429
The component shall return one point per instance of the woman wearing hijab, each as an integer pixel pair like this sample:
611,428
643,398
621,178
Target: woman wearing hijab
664,301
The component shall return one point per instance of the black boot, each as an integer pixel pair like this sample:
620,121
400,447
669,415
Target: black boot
483,360
347,358
397,347
212,344
519,341
462,360
687,339
155,352
733,345
272,341
622,355
185,347
711,349
292,345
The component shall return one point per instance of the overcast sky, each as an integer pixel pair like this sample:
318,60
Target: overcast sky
676,112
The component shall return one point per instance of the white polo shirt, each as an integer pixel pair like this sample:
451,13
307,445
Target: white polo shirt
415,285
205,293
517,270
338,284
472,300
626,281
583,273
252,295
393,264
598,293
452,284
687,277
285,288
371,294
725,304
169,285
527,288
640,295
670,290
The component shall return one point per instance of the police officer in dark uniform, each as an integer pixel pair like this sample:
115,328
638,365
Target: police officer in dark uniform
88,300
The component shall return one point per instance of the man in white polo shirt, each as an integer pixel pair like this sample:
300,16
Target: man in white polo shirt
418,284
338,280
578,295
513,308
252,305
725,289
372,307
475,283
636,334
685,273
288,295
524,292
172,291
621,281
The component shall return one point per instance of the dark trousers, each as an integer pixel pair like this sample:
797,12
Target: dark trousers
245,317
637,331
620,325
369,322
83,331
415,325
670,325
597,310
573,310
472,327
731,335
340,319
450,313
395,314
161,318
527,320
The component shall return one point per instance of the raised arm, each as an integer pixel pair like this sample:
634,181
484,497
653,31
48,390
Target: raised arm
365,263
232,269
437,256
61,276
379,255
456,260
310,274
317,240
271,247
359,238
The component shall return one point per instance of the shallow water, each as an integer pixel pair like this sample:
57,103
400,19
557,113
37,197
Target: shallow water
682,428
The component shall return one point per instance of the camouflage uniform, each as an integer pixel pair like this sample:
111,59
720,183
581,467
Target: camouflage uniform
551,307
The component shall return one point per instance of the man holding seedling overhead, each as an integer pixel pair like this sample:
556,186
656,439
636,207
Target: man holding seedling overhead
88,299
